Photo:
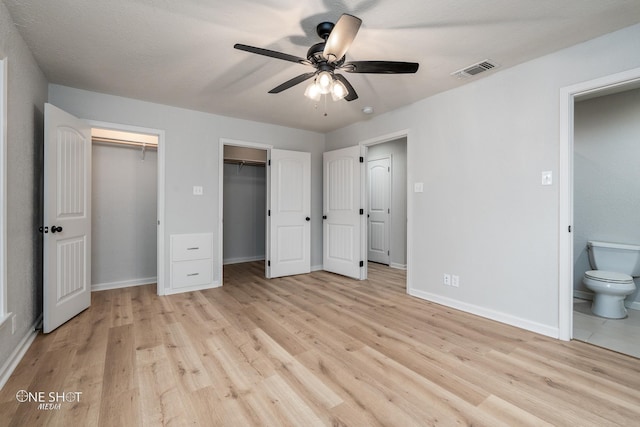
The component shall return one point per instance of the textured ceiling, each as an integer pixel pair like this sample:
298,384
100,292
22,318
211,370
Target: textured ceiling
180,52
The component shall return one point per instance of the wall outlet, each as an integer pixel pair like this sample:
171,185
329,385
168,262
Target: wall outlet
455,281
446,279
198,190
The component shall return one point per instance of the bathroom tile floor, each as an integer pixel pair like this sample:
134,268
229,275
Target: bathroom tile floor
621,335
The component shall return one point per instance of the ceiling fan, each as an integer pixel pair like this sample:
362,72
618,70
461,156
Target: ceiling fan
328,57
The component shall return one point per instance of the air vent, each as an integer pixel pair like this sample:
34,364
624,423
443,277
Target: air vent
474,69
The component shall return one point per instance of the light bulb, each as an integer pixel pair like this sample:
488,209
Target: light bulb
313,92
323,81
338,90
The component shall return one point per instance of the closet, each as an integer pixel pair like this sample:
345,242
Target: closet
244,204
123,209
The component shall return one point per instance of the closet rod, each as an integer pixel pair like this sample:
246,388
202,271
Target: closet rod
123,142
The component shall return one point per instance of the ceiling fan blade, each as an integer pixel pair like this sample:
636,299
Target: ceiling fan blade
341,37
380,67
351,92
294,81
271,54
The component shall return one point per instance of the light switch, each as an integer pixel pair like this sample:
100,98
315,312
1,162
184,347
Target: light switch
197,190
418,187
547,178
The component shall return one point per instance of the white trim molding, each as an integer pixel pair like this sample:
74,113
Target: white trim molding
4,310
507,319
18,353
124,284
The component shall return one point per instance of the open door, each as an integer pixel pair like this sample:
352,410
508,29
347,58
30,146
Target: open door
379,209
343,213
289,213
67,217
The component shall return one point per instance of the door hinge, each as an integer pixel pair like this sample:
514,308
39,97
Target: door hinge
361,263
269,212
361,211
388,253
361,159
569,229
268,263
269,162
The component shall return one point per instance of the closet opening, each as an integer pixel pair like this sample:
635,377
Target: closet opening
244,196
124,209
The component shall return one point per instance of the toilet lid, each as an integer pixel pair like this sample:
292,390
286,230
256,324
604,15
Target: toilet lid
608,276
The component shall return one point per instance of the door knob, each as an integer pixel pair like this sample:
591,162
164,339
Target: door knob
308,219
55,229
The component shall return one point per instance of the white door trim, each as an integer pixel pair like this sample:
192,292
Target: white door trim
247,144
160,254
404,133
565,188
4,310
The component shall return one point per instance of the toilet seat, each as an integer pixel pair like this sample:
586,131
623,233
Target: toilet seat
609,277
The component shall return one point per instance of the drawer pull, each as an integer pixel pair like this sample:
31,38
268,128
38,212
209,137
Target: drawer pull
193,249
193,274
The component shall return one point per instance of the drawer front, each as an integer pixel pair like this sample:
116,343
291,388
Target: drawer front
191,246
191,273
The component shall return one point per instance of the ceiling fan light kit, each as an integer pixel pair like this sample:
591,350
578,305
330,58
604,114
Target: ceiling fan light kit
328,57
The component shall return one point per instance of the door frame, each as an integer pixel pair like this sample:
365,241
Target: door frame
160,234
246,144
404,133
568,95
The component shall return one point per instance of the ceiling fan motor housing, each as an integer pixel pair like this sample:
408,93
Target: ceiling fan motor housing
324,29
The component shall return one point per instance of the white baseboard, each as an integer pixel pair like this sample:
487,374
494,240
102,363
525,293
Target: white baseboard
317,267
124,284
398,266
18,353
508,319
242,259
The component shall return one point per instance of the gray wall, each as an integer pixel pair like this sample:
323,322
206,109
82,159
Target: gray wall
606,194
398,232
27,93
123,223
479,150
192,141
244,204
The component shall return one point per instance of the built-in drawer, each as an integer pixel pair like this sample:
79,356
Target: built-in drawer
191,273
186,247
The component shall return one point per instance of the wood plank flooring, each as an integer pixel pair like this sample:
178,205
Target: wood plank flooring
311,350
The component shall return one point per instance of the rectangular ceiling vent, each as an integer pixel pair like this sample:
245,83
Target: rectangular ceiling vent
474,69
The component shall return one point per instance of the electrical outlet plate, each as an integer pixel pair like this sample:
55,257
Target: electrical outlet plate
455,281
446,279
198,190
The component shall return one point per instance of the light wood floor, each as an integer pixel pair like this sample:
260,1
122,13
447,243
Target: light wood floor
312,350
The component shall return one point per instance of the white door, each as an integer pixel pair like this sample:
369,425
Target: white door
379,209
342,217
289,213
67,217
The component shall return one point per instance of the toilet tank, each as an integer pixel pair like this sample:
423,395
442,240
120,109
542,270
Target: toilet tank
618,257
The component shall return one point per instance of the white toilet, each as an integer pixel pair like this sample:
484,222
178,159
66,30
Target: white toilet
611,280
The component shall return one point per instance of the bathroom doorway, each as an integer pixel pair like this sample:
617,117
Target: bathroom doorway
606,200
594,150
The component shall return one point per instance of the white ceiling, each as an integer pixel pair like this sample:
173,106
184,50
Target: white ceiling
180,52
